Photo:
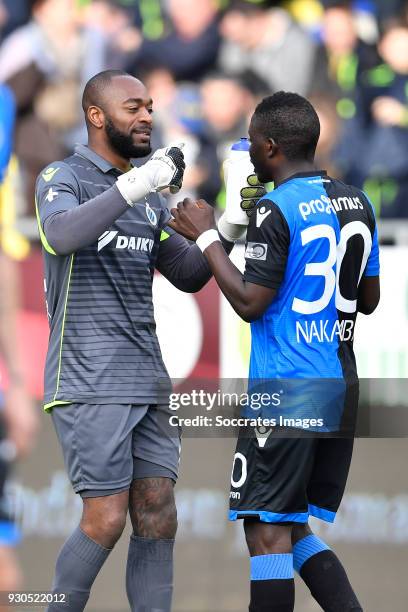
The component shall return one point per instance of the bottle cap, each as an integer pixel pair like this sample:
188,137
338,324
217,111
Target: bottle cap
241,145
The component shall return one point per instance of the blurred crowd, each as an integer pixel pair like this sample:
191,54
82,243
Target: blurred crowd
207,63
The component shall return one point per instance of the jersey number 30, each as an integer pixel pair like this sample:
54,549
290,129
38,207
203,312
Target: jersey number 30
325,268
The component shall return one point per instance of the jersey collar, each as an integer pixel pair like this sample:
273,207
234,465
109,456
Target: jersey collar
96,159
297,175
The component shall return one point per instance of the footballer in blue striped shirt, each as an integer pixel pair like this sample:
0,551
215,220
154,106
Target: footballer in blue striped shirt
312,263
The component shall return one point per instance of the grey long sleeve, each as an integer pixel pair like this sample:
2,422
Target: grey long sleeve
180,261
183,264
74,229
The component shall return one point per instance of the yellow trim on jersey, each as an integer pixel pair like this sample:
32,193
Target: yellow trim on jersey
44,240
51,405
164,235
63,327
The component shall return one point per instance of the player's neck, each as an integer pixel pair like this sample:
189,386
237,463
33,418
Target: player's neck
289,169
112,157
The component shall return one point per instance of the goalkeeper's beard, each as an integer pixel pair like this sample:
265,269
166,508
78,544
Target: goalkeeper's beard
123,143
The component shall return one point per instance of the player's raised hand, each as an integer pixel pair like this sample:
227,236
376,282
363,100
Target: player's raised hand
165,169
191,219
251,194
170,167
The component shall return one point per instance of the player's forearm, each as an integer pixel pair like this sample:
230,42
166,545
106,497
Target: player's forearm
74,229
231,282
183,264
368,294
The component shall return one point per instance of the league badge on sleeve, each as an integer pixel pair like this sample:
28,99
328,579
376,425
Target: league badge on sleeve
151,215
256,250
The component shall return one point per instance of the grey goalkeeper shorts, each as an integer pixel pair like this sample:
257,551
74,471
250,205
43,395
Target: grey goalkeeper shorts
106,446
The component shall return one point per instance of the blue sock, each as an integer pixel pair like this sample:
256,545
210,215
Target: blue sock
306,548
272,583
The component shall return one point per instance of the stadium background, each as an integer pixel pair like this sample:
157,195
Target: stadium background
206,66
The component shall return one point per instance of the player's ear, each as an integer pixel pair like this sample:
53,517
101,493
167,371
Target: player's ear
272,147
96,117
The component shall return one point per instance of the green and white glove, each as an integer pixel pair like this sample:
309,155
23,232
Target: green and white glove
165,169
251,194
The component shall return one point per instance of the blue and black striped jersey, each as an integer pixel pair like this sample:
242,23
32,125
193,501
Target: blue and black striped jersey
312,238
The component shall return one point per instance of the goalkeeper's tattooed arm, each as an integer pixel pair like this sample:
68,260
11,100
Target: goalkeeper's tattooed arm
249,300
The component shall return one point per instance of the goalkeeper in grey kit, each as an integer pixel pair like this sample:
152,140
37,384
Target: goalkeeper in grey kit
103,227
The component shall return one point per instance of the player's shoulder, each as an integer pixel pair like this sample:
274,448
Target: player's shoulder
336,189
268,202
283,196
268,213
338,185
278,203
57,172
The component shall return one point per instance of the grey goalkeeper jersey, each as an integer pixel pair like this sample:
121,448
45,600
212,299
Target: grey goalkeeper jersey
103,347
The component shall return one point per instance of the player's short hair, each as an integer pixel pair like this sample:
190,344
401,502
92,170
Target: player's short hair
292,122
95,88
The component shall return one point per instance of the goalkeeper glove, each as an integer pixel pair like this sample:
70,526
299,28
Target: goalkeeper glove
251,194
164,169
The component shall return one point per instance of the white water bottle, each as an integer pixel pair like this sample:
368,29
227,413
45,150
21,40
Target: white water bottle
237,168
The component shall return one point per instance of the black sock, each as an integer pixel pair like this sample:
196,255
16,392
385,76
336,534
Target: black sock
272,583
324,575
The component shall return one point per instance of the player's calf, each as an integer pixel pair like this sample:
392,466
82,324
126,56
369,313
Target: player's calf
272,583
86,550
